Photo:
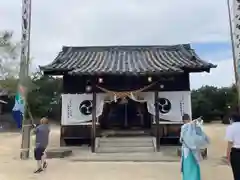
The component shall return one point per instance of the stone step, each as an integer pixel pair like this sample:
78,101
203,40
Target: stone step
126,139
125,133
58,153
126,144
124,149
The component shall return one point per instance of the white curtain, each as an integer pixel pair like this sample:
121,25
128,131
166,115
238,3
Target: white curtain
180,102
100,103
139,97
77,108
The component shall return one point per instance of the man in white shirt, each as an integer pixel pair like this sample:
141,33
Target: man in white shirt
233,147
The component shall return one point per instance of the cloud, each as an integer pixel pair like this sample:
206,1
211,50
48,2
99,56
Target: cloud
112,22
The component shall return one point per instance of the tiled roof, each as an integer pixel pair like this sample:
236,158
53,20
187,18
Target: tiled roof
127,60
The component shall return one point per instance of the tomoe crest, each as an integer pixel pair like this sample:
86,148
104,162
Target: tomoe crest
164,105
86,107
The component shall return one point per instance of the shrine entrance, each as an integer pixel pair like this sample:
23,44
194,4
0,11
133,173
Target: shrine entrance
126,113
123,72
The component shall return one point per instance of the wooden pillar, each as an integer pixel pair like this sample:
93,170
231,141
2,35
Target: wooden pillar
157,121
1,108
94,120
125,116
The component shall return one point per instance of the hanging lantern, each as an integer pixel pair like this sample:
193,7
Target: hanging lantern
100,80
149,79
88,88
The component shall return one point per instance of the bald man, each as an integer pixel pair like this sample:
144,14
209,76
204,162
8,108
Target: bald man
42,138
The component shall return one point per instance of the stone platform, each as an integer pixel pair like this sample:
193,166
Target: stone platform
166,154
125,157
58,153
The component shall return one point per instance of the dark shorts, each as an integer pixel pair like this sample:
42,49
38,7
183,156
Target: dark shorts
38,153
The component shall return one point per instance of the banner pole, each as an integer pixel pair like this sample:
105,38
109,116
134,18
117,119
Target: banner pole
23,76
235,41
232,41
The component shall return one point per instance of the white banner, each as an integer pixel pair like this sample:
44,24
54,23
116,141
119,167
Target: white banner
172,105
77,108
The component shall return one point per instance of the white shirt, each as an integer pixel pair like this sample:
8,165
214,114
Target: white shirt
233,134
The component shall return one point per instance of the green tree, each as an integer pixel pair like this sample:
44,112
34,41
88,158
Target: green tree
46,96
212,102
10,63
9,56
43,92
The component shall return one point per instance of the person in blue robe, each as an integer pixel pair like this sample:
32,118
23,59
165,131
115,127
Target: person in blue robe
193,139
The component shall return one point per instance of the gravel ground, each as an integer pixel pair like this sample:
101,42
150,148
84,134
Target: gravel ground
11,168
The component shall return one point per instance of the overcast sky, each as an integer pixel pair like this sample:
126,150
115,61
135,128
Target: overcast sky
56,23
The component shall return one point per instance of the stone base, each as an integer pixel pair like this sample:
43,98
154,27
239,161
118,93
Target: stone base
125,157
166,154
58,153
203,153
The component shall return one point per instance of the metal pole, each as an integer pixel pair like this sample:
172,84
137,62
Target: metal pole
23,75
235,35
232,42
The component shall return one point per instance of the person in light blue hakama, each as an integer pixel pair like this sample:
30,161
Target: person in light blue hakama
192,139
190,166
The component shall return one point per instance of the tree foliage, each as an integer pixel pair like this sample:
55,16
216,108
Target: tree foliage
10,64
212,102
45,98
9,56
